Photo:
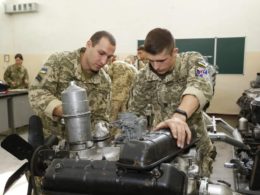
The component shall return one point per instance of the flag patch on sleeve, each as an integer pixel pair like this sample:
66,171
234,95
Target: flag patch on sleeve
201,72
41,74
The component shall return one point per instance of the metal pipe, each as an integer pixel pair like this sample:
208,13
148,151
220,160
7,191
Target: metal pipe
228,139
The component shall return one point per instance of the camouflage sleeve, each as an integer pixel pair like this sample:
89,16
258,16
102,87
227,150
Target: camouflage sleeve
138,101
102,111
198,82
134,69
110,71
7,74
43,89
100,99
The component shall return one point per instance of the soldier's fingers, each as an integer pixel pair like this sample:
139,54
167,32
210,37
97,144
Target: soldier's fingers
173,129
188,134
160,126
181,136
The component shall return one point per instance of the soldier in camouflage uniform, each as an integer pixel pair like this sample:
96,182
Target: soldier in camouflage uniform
85,67
16,75
177,86
122,75
141,61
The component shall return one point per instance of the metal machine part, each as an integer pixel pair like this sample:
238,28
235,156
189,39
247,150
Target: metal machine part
77,116
132,127
150,150
177,175
100,132
255,107
233,139
245,162
256,82
243,124
104,177
161,168
144,162
228,139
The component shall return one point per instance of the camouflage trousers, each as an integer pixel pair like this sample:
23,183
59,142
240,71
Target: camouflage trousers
206,153
48,132
52,127
37,189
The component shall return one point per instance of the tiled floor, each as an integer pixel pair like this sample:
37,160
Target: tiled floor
9,163
224,153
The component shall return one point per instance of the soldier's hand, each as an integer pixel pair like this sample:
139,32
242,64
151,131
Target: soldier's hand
58,111
179,129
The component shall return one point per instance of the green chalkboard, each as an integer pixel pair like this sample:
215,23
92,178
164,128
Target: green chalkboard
204,46
140,42
230,55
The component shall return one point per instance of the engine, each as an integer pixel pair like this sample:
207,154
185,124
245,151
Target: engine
247,162
89,162
138,161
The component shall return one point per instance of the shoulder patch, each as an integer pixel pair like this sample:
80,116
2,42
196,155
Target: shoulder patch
201,72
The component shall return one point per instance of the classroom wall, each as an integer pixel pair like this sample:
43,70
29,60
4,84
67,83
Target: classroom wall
66,25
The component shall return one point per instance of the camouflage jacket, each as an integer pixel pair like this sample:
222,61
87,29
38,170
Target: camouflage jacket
18,74
122,75
140,64
54,77
190,76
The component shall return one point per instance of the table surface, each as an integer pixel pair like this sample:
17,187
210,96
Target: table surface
11,93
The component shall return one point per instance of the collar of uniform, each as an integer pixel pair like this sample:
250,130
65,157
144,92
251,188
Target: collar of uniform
17,66
87,77
152,76
175,74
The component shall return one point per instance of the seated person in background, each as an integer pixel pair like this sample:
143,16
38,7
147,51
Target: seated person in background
177,86
85,67
122,76
16,75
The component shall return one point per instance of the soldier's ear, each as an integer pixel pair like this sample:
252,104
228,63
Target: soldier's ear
175,50
89,44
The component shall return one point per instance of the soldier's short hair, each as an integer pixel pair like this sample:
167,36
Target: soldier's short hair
141,47
159,39
18,56
82,50
95,38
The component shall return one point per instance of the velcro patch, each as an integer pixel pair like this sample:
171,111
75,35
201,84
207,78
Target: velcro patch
202,63
44,70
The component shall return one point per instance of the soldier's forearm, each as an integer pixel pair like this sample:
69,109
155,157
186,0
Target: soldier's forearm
189,104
